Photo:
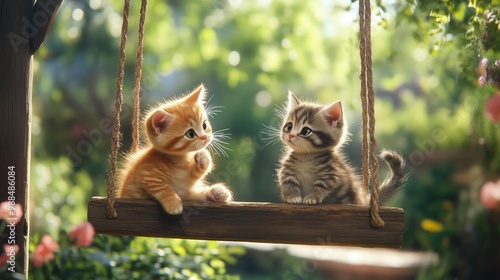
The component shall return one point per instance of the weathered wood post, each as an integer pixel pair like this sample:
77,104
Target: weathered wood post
23,27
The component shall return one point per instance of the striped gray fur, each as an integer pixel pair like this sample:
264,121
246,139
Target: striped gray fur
312,168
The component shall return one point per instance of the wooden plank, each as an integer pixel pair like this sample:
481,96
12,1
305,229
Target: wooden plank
22,30
15,116
253,222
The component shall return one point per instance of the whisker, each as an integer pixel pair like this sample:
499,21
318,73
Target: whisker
220,142
209,99
272,142
271,138
212,109
219,149
221,131
270,135
218,145
211,149
222,134
271,128
281,111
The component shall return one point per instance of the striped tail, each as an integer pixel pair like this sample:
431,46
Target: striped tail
396,177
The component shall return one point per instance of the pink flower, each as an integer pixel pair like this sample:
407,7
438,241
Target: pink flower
490,195
83,233
9,254
44,251
493,108
481,68
481,81
11,212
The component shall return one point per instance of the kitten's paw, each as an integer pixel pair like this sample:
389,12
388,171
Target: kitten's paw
293,199
312,199
202,159
173,206
290,194
219,192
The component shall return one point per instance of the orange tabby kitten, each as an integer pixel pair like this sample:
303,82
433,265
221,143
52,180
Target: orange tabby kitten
172,166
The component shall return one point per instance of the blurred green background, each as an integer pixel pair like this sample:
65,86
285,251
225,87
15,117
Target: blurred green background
248,54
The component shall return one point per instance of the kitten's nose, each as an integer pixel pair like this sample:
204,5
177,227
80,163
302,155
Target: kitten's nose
290,136
204,137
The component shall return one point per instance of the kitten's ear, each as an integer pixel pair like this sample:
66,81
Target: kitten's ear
293,101
198,95
160,120
333,113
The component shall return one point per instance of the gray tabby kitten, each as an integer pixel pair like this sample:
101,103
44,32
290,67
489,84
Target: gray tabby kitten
313,170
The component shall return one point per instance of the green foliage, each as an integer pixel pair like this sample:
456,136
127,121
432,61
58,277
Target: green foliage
137,258
59,189
451,219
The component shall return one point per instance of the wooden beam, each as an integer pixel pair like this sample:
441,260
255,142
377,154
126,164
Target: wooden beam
23,27
15,115
43,14
253,222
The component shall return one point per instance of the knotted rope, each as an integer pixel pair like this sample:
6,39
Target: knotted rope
116,137
367,93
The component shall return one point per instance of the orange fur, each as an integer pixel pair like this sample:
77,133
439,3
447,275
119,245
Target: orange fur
171,167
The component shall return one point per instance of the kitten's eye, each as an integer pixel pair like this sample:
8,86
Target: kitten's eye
204,125
288,127
306,131
190,134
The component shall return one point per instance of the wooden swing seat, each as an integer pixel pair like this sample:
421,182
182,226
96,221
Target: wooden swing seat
355,225
323,224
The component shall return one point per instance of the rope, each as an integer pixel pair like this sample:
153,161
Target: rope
115,140
368,105
138,75
364,101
